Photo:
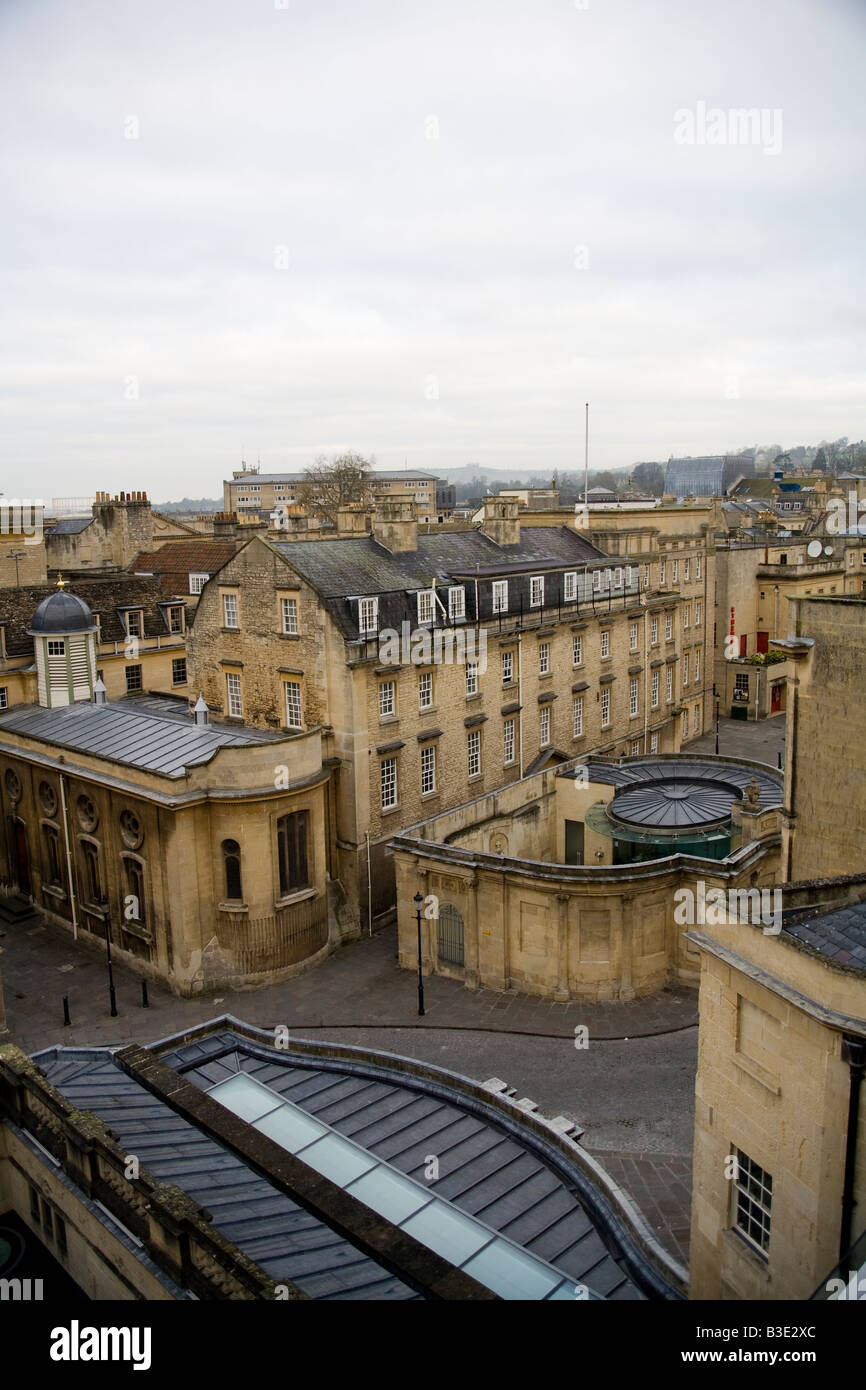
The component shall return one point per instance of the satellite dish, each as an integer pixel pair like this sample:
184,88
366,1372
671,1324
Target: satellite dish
828,550
813,549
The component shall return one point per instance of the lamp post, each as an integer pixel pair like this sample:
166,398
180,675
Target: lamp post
107,918
418,900
717,726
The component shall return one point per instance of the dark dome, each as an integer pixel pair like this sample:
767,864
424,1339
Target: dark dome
62,613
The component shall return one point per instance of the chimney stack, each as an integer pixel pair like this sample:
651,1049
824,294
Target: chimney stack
501,522
395,523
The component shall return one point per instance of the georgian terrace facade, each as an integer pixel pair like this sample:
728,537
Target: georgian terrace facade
444,666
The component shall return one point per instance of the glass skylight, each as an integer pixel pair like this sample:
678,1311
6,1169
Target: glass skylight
465,1242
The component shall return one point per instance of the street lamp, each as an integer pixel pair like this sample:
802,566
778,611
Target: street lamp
418,900
717,726
106,913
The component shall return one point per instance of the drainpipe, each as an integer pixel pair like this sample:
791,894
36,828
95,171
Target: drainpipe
369,889
69,878
646,676
520,697
854,1053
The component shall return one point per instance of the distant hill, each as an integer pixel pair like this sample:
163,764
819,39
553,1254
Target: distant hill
191,504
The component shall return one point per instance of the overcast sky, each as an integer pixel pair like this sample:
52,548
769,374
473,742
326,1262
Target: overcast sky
424,231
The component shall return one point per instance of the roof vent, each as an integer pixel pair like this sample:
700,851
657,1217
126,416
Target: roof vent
200,710
100,694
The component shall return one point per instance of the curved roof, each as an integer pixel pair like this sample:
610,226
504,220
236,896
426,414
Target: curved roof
492,1168
681,793
62,613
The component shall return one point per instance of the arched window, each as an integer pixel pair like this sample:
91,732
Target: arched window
51,842
292,852
134,907
232,862
92,877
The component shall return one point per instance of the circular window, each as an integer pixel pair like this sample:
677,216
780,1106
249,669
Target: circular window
130,829
87,814
13,786
47,798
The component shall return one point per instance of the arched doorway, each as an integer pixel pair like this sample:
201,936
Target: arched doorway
450,935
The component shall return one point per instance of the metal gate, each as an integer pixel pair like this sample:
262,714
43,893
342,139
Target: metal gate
450,935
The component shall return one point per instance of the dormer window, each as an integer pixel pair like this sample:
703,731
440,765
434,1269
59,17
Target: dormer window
175,620
134,623
570,587
197,582
425,606
368,615
456,603
536,591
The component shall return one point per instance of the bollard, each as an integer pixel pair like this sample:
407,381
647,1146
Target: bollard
66,1019
145,1004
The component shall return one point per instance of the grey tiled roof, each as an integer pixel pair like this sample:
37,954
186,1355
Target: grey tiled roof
839,935
68,526
484,1170
156,735
360,565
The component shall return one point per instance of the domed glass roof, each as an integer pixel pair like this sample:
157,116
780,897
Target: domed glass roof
62,613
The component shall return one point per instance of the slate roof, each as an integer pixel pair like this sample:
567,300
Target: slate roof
839,935
362,567
155,733
107,597
400,474
68,525
485,1170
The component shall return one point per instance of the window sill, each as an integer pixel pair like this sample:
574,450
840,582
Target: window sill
139,930
229,629
475,696
757,1073
233,906
54,892
389,810
290,636
545,675
430,796
389,719
428,709
299,897
476,777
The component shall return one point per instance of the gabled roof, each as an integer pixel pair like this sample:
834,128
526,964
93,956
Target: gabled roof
175,561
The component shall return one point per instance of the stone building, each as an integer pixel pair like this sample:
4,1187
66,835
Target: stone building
779,1189
442,666
140,636
780,1155
825,760
566,883
202,848
116,530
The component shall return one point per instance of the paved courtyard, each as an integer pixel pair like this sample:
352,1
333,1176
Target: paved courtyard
631,1089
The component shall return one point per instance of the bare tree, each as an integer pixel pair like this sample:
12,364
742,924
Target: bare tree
334,483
